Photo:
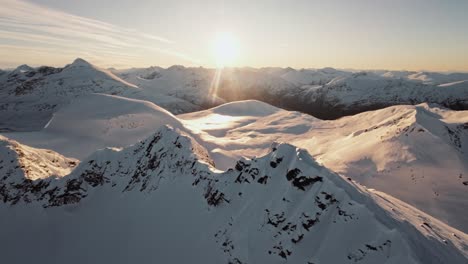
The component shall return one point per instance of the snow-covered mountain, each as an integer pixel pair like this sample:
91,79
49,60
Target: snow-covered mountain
162,200
220,185
325,93
309,76
336,94
415,153
29,96
205,87
437,78
411,146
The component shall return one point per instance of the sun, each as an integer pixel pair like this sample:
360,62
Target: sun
226,49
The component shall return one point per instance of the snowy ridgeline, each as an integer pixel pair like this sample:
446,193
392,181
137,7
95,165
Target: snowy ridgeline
417,153
161,200
30,96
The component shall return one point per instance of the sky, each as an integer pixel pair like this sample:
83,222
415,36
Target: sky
360,34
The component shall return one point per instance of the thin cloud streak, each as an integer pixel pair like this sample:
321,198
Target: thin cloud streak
38,54
24,24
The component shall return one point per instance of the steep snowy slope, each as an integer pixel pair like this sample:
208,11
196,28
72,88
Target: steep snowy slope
95,121
19,162
162,201
415,153
418,154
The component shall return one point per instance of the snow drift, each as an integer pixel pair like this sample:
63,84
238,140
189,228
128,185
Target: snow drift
95,121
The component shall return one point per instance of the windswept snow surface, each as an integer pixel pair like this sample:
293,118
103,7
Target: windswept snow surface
97,121
162,201
415,153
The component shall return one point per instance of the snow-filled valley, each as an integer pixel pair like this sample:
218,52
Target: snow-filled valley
165,165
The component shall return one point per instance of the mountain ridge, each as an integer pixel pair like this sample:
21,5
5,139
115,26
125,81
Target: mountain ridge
29,96
404,151
313,202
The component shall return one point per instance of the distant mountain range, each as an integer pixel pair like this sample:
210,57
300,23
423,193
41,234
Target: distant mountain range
29,96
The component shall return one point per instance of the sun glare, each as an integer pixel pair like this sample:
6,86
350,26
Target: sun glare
226,49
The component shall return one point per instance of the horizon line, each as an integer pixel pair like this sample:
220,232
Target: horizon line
347,69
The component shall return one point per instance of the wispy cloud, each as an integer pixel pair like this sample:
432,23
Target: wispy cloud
27,26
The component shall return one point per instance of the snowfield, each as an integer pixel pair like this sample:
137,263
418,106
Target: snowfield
96,121
95,167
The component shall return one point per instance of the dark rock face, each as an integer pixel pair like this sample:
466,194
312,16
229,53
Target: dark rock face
361,253
292,174
27,86
301,182
151,76
46,70
214,197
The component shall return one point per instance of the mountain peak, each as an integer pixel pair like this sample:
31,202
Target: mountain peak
328,70
81,62
24,68
176,67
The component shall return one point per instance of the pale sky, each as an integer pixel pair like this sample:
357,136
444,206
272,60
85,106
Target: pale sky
359,34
